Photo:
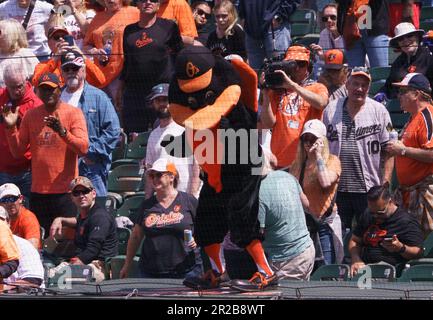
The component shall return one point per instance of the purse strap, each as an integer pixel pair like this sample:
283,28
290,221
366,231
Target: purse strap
29,14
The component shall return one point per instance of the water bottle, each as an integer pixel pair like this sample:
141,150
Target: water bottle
393,135
107,48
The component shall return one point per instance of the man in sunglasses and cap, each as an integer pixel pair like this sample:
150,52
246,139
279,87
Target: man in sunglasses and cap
95,228
357,131
413,151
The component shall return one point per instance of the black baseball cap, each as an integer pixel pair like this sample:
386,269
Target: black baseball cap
49,79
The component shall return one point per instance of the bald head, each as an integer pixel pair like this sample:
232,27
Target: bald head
15,80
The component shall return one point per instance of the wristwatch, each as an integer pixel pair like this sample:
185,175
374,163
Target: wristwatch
63,133
403,249
403,152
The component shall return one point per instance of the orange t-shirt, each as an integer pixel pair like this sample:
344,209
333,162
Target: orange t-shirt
181,13
8,248
106,26
320,199
54,159
418,134
26,225
94,75
291,112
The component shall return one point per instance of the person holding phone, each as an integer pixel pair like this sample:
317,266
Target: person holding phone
318,173
384,233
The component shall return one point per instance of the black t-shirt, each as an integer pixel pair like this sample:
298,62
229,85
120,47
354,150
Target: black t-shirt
149,53
401,223
96,236
233,44
163,247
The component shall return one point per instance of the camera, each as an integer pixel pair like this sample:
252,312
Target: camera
274,79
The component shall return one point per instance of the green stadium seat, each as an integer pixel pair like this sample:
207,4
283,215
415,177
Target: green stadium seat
426,25
308,39
393,106
378,272
120,151
427,252
375,87
116,263
124,180
422,272
123,235
130,206
334,272
303,21
135,151
426,13
399,120
70,275
392,55
380,73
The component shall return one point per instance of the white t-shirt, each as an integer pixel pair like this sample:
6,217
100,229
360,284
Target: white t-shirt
154,151
36,28
23,56
30,265
71,98
74,28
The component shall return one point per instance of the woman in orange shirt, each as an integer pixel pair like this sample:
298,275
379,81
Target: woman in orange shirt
318,173
104,40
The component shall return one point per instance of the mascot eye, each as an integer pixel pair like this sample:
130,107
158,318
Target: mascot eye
210,97
193,103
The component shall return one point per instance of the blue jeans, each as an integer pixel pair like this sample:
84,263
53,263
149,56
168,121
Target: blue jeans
327,243
23,181
375,47
97,174
259,49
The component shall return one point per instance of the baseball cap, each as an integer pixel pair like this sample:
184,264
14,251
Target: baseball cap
55,29
316,127
335,59
360,71
163,165
72,57
81,181
415,80
193,68
160,90
49,79
9,189
298,53
4,215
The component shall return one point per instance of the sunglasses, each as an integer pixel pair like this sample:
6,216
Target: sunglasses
326,18
9,199
158,175
200,12
151,1
380,212
71,68
57,37
77,193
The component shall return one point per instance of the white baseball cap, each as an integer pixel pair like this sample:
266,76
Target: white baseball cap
316,127
9,189
163,165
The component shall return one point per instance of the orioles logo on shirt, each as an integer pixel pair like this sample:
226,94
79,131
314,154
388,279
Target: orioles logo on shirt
143,41
374,235
162,220
191,70
411,69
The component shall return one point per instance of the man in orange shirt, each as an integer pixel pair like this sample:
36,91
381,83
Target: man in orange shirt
9,254
57,135
290,103
181,13
414,150
23,222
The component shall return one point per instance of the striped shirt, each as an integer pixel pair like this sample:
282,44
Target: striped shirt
352,178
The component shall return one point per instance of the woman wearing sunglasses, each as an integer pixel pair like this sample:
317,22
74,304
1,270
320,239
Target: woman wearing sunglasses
162,221
318,172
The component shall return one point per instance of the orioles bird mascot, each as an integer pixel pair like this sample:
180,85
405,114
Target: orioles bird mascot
216,101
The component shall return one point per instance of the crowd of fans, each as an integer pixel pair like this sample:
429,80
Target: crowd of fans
74,74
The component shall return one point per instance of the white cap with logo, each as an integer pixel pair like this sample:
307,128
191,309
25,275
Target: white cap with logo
9,189
316,127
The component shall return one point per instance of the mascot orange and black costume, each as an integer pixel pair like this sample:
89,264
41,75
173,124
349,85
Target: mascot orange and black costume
216,101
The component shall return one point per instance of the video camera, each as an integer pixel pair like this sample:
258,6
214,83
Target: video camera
274,79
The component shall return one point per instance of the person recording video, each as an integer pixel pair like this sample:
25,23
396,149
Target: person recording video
290,99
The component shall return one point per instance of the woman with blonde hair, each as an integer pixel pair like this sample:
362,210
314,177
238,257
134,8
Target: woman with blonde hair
318,172
229,37
14,48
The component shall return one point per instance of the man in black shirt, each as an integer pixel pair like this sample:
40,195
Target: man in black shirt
95,228
149,47
385,232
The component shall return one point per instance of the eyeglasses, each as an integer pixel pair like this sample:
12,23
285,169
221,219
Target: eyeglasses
73,68
77,193
222,16
9,199
380,212
326,18
200,12
157,175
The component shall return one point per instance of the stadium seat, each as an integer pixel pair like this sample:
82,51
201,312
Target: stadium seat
375,87
130,206
70,275
392,55
334,272
123,235
135,151
427,256
422,272
120,151
303,21
380,73
308,39
378,272
426,13
347,258
393,106
116,264
426,25
399,120
124,180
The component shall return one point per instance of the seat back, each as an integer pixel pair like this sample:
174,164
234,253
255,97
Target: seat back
428,246
125,178
69,275
117,263
332,272
130,207
380,73
422,272
137,148
123,235
377,272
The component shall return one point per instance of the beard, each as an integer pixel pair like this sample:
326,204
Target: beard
163,114
73,83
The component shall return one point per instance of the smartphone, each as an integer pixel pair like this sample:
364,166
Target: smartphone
69,39
388,239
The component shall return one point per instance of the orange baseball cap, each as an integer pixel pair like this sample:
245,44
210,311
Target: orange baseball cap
335,59
298,53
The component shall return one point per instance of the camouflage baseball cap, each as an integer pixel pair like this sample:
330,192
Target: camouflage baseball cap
81,181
